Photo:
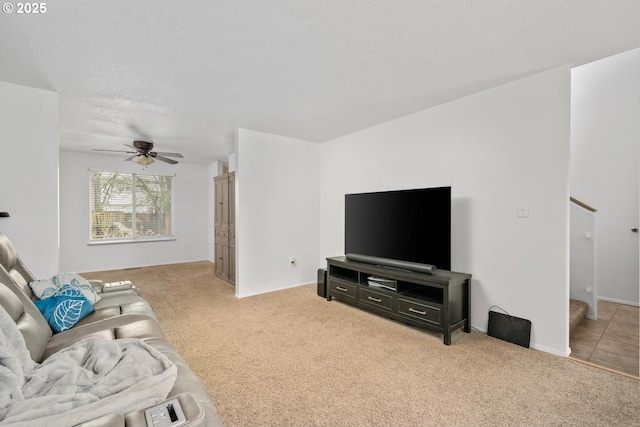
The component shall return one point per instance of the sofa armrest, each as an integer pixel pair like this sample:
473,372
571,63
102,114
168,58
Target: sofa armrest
109,420
194,412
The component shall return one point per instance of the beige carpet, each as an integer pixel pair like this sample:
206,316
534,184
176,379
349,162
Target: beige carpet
290,358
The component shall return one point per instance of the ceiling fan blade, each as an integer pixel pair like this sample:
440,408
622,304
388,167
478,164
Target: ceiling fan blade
130,146
130,158
138,132
164,159
115,151
170,154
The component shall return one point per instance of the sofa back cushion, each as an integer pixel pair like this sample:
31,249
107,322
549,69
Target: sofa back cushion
12,269
31,323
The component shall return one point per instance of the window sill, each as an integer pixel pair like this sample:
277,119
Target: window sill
137,240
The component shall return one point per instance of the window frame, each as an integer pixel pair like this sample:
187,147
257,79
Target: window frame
133,239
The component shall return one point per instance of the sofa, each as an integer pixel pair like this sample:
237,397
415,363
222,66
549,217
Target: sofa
122,317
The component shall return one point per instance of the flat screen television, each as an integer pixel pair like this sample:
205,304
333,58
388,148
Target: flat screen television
405,225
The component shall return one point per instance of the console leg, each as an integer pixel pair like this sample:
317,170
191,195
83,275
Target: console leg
447,337
328,297
467,305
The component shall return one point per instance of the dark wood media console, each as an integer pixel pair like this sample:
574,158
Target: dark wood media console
440,301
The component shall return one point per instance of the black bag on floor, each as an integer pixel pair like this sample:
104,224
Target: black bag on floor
509,328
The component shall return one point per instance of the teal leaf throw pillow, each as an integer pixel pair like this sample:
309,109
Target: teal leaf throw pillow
70,291
63,311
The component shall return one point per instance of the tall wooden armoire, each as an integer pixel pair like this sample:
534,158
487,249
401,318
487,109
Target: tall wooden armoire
225,227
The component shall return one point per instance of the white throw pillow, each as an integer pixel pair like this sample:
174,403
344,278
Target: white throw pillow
49,287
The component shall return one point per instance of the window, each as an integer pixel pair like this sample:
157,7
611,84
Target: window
126,206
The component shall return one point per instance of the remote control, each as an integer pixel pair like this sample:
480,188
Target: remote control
167,414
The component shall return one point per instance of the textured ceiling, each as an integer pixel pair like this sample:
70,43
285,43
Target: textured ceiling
186,74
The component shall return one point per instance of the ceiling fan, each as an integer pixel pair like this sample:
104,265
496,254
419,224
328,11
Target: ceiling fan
143,154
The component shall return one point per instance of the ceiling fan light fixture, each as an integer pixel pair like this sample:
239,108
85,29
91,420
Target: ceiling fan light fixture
143,160
143,154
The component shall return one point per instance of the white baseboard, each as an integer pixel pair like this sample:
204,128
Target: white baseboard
282,288
553,351
619,301
146,265
534,346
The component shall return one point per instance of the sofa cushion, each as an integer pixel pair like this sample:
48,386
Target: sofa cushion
31,323
113,305
64,311
124,326
49,287
12,270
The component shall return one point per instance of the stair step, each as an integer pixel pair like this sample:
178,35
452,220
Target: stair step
577,311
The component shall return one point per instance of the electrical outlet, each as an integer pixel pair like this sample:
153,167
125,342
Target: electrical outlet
587,289
523,210
292,261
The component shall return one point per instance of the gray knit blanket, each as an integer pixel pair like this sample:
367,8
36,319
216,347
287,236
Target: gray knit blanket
91,378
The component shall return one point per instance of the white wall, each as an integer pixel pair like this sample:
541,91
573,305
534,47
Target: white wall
276,212
190,216
232,162
605,151
29,174
496,148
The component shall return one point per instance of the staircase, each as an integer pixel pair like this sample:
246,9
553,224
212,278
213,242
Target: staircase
583,284
577,312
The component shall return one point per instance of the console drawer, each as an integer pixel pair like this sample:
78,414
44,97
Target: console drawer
427,313
377,299
339,288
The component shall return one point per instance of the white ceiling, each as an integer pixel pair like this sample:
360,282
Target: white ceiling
186,74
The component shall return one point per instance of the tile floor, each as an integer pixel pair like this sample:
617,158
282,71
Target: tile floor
610,341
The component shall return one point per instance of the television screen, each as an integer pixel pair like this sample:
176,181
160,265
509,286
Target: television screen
406,225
